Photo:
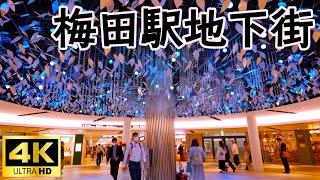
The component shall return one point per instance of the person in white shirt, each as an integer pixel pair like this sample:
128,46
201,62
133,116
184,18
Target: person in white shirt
221,154
235,152
133,156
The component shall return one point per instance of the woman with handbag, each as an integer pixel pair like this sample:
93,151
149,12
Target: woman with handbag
221,154
196,156
247,154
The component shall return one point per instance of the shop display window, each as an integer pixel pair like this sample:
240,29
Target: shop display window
315,145
270,146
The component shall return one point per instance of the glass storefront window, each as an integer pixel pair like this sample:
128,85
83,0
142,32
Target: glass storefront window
270,147
208,149
315,145
210,145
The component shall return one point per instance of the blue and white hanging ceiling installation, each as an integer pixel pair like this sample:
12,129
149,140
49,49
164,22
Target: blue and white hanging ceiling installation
114,82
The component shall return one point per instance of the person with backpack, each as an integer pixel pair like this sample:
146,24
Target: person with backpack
116,155
196,156
133,156
99,152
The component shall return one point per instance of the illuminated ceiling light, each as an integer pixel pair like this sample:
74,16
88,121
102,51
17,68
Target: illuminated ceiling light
278,103
136,73
225,50
177,54
263,46
173,59
232,93
143,102
64,73
7,86
40,87
157,86
282,4
51,63
171,87
21,78
263,35
230,5
182,97
280,61
108,92
110,61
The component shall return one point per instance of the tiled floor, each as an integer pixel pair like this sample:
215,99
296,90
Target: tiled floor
274,172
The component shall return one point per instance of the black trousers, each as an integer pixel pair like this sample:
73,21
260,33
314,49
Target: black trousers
98,161
230,163
222,165
236,159
285,164
114,169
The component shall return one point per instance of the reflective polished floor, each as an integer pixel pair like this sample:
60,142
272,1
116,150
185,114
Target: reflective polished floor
92,172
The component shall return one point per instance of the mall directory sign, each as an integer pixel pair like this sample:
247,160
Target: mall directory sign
31,156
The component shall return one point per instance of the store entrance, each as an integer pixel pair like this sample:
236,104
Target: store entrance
211,145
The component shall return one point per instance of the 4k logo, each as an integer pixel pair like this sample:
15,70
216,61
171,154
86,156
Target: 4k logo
25,156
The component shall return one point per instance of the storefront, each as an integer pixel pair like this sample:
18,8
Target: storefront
211,144
270,147
68,148
302,145
315,145
180,140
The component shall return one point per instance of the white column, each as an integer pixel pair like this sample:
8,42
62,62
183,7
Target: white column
126,131
254,142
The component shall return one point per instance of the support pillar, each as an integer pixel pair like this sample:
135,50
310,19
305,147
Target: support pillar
160,137
77,156
126,131
254,142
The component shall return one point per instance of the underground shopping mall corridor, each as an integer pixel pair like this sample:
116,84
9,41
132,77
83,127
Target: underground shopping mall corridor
274,172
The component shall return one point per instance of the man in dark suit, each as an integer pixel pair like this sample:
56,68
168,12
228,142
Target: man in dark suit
284,160
116,155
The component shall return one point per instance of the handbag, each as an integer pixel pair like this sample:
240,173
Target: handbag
188,168
285,154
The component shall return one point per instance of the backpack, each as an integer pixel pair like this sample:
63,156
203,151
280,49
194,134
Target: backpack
130,153
197,158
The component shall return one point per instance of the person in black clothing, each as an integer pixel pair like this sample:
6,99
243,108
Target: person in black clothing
228,157
180,149
283,148
62,156
116,155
